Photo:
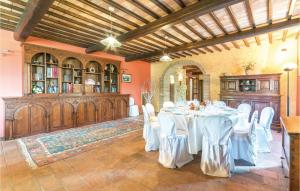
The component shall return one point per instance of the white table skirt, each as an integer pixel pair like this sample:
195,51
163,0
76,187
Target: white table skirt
194,125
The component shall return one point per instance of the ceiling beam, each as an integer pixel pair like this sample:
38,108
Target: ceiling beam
284,35
225,46
235,45
257,41
195,10
162,6
233,19
291,9
217,21
246,43
270,10
227,38
270,36
180,3
250,14
33,13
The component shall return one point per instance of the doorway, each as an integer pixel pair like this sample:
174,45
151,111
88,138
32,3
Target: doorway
194,83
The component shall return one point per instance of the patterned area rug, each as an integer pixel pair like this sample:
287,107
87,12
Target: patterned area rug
46,148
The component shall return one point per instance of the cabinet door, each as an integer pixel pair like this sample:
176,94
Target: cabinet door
68,115
80,114
38,120
90,114
105,111
56,117
21,122
121,109
86,113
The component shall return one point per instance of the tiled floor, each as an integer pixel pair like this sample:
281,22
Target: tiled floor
123,164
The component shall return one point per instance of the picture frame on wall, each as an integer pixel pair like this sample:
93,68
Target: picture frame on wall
126,78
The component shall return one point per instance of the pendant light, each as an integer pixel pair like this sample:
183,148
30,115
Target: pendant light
165,57
111,41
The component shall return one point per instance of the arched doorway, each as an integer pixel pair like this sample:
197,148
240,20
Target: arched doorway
184,80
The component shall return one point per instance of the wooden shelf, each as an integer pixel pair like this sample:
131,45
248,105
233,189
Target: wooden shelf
38,80
38,65
93,73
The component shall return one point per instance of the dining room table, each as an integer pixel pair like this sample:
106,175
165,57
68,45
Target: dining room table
192,121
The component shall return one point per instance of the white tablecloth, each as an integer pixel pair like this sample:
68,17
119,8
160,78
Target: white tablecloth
194,121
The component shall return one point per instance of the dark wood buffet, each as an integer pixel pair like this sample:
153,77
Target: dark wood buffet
62,90
31,115
291,150
259,91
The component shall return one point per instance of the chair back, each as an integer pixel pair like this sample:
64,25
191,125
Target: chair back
219,103
167,124
217,129
146,115
266,117
150,110
131,101
168,104
253,121
245,108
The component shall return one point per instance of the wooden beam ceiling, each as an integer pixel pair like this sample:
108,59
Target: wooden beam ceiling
32,15
195,10
227,38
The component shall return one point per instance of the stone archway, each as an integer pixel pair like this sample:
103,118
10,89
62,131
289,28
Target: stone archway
171,69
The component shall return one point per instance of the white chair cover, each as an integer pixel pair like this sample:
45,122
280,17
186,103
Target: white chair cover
131,101
266,118
151,132
219,103
150,110
146,122
133,109
245,108
168,104
243,141
263,130
216,158
173,150
195,136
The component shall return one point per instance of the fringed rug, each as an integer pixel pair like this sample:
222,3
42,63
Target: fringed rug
46,148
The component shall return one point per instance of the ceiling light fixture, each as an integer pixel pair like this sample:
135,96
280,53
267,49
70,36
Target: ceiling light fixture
165,57
111,41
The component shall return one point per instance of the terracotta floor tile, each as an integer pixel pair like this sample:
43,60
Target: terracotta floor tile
122,164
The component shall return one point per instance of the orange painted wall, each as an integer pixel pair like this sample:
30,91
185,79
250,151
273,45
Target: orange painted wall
140,73
11,69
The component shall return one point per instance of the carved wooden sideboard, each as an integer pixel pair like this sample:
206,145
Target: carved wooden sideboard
259,91
291,150
31,115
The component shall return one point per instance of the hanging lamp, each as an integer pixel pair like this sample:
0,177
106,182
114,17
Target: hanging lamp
111,41
165,57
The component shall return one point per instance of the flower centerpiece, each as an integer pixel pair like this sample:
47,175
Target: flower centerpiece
248,66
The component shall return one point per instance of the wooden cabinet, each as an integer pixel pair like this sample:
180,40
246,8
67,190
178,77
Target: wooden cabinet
54,71
257,90
31,115
291,150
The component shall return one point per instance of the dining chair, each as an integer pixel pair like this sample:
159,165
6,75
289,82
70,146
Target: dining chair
151,132
245,108
150,109
168,104
243,139
133,109
219,103
173,149
216,159
263,129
